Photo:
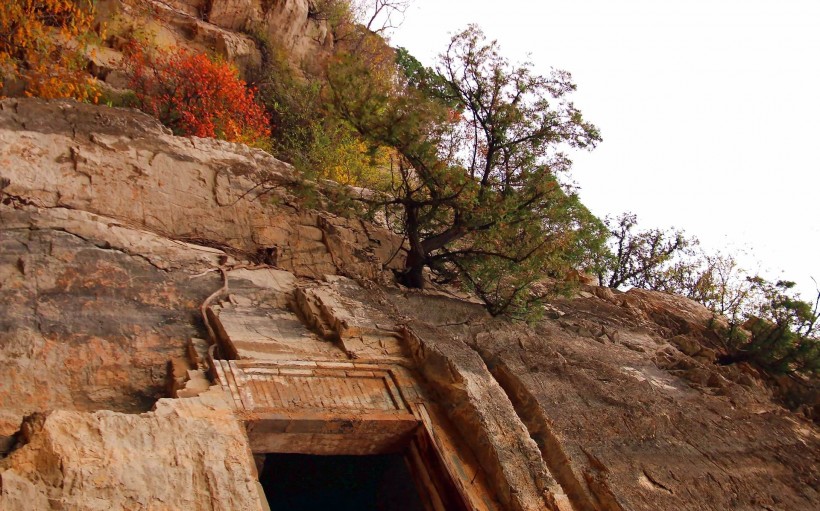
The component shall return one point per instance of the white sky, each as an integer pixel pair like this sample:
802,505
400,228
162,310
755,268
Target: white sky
709,110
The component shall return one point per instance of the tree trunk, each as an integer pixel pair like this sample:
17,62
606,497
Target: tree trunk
413,276
417,256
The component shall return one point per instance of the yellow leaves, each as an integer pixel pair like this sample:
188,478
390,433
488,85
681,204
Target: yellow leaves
39,45
346,159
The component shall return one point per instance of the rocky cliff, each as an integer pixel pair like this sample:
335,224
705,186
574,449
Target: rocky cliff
240,31
171,311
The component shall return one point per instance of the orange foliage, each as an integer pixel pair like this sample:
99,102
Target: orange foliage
195,95
40,44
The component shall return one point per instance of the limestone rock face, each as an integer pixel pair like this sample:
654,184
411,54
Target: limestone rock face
620,424
292,24
75,300
77,157
106,219
124,251
240,31
107,460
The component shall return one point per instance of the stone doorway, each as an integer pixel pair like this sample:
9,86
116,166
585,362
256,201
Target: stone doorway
314,416
314,373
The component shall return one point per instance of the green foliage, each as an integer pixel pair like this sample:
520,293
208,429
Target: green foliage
477,190
292,104
784,331
478,154
119,98
714,280
425,79
509,266
649,259
767,324
310,135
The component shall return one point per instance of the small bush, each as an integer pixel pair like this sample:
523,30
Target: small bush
783,331
195,95
311,135
41,44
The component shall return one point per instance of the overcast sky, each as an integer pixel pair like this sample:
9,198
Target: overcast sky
709,110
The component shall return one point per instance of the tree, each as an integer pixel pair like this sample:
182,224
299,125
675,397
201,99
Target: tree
41,43
714,280
667,260
195,95
768,325
641,258
347,17
425,79
785,333
476,177
309,134
380,16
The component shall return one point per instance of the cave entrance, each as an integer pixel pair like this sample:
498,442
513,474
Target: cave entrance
315,472
299,482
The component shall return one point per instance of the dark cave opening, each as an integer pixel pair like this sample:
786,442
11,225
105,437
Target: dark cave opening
298,482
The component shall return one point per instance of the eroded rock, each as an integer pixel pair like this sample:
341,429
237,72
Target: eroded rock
113,234
107,460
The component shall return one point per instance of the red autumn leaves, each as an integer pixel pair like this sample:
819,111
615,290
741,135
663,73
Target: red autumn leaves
195,95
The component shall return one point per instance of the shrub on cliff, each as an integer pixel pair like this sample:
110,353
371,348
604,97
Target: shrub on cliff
783,330
645,258
310,134
768,325
194,94
41,43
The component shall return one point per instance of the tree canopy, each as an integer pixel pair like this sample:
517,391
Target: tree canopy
644,258
782,331
480,148
768,324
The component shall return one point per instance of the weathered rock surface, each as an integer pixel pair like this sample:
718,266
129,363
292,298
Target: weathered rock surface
100,303
126,166
112,236
96,260
617,428
105,223
295,24
234,29
156,461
